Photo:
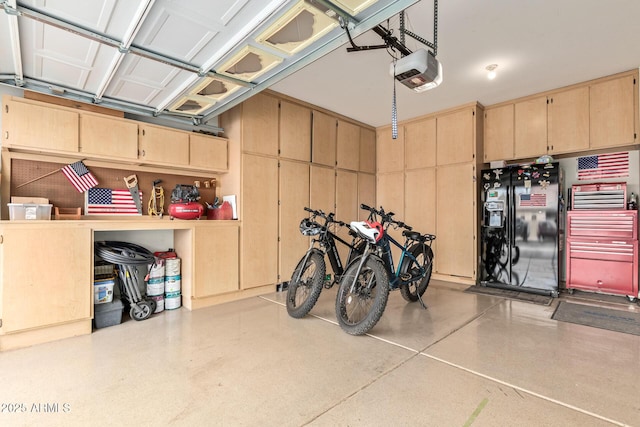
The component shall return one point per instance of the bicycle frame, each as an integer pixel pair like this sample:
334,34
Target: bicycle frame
387,257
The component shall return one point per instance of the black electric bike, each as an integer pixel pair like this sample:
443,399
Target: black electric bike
308,278
365,285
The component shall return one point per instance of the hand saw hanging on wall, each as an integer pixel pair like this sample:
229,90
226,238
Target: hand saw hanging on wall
132,184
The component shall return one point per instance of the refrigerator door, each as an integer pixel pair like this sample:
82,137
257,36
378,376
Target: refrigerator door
496,230
535,218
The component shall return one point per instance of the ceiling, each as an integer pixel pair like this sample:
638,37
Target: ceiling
167,57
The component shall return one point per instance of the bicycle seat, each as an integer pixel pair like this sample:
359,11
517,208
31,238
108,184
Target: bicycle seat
413,235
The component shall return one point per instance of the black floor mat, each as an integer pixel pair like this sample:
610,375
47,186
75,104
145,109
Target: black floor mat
598,317
509,294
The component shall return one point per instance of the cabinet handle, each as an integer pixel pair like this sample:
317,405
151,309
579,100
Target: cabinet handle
6,108
142,132
6,135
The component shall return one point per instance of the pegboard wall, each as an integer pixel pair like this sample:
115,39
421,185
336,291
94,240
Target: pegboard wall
61,193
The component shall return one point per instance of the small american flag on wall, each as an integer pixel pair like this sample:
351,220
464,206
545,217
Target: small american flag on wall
79,176
533,200
105,201
612,165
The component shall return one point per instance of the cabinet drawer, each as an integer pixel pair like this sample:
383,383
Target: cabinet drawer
613,277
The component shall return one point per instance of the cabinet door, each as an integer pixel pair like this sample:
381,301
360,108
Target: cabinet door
323,184
59,290
390,195
259,248
108,137
346,206
35,126
324,139
455,220
389,151
295,131
260,125
294,197
208,152
531,128
348,147
367,150
163,146
498,133
612,113
456,137
366,193
420,143
216,269
568,115
420,199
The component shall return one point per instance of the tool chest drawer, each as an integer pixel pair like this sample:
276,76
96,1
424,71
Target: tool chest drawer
603,224
612,277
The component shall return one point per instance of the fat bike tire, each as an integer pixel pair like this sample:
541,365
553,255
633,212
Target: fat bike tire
303,294
424,257
359,310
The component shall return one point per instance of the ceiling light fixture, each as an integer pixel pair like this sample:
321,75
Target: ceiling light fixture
491,71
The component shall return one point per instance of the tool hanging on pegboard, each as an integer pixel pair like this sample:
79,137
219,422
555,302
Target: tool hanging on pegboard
156,201
132,184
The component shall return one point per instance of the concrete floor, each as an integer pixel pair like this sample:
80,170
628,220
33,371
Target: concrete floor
468,360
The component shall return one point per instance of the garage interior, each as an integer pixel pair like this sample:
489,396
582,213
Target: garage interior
313,125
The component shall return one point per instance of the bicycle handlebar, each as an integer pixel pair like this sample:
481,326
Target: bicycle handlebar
329,218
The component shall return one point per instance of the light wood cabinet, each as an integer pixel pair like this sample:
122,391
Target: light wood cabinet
259,248
324,139
216,252
108,137
568,121
346,206
389,151
294,197
530,128
366,193
420,199
323,187
390,195
420,143
367,150
59,290
498,133
348,146
29,125
260,125
159,145
613,112
456,220
208,152
295,131
456,137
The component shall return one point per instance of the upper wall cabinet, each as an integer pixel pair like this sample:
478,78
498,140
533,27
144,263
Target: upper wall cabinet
456,136
108,137
25,124
420,143
348,146
208,152
498,133
367,150
295,131
530,128
568,121
389,151
612,112
325,129
160,145
260,125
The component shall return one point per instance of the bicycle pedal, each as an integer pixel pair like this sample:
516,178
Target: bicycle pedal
328,285
405,277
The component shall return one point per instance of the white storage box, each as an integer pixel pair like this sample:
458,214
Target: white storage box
102,291
29,211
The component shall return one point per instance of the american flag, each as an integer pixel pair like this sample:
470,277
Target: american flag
105,201
600,166
79,176
533,200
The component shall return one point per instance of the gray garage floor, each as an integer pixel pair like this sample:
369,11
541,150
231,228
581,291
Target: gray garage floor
468,360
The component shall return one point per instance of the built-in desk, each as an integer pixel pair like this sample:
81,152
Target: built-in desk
46,278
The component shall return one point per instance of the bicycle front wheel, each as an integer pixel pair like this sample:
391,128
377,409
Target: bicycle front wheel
360,304
303,294
424,259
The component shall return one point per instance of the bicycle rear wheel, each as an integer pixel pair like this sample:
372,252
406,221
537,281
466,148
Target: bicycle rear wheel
424,259
303,294
360,305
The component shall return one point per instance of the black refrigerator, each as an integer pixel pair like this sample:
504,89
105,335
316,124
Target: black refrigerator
521,228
